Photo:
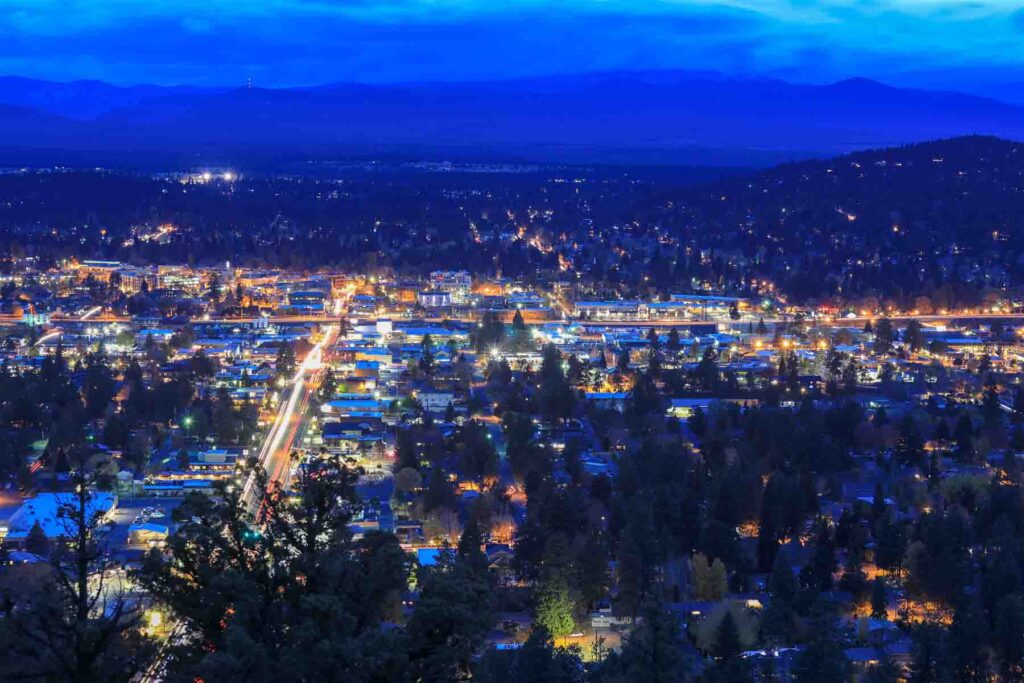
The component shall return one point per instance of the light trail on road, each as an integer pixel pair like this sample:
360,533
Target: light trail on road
274,455
48,336
274,458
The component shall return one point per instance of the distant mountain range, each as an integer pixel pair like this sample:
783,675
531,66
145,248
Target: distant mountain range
673,117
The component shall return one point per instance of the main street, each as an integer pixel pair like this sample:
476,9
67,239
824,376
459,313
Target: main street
274,459
274,456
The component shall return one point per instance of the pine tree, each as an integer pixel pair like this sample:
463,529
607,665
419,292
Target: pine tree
929,662
284,582
517,322
879,604
727,638
913,336
909,444
822,660
36,541
967,639
1008,636
652,652
537,660
673,344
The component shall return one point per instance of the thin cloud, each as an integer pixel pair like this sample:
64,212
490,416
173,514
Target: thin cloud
283,42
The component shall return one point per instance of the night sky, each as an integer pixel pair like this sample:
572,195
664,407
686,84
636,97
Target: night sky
961,45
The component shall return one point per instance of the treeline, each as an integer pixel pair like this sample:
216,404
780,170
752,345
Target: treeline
930,226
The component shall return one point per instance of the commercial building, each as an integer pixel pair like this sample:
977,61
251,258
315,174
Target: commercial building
434,299
458,283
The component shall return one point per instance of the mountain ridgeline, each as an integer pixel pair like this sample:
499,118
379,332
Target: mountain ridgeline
664,118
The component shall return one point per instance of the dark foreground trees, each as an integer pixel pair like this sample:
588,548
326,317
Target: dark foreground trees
297,598
71,618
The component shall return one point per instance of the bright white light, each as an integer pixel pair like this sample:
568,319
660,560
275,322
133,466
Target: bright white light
228,176
46,337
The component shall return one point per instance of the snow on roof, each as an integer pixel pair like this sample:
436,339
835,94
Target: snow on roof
44,508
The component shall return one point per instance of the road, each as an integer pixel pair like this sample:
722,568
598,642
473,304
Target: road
275,454
91,318
155,672
274,458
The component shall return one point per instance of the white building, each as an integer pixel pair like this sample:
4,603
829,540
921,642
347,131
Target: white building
458,283
434,299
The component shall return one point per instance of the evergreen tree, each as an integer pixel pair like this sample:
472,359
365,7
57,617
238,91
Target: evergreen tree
295,597
883,336
929,657
284,365
652,652
518,325
891,544
451,619
967,641
36,542
727,638
537,660
963,435
879,605
822,660
426,363
913,335
673,344
554,609
782,583
991,409
1008,636
909,444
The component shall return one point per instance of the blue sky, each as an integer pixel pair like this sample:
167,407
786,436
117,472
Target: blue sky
292,42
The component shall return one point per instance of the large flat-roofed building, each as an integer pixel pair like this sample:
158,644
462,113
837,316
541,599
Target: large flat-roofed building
611,310
308,302
131,279
699,306
99,270
180,278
